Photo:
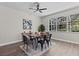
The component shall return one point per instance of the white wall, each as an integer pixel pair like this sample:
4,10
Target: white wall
11,25
65,36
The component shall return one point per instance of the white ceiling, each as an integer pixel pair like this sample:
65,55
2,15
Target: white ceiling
52,7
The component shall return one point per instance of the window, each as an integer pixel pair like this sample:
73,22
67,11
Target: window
58,24
69,23
75,23
52,24
61,24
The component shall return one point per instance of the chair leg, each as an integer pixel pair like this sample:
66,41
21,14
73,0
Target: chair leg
45,44
48,43
33,44
41,47
24,46
36,46
27,47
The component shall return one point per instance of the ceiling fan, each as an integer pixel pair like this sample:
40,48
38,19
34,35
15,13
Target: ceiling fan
37,8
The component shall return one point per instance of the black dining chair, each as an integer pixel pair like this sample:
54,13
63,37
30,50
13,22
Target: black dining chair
25,41
36,42
40,40
48,39
32,41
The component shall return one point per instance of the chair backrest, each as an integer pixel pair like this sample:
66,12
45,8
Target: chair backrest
25,39
47,33
50,35
45,36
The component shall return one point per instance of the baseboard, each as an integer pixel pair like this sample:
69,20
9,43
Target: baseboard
10,43
53,38
66,41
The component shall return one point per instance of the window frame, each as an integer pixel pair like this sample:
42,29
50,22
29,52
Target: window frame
67,25
52,19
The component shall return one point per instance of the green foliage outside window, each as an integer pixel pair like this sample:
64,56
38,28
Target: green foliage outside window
75,25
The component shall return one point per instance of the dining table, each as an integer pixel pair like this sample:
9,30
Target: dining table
35,38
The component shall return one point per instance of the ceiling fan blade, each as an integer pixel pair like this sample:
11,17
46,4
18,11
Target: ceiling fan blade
40,11
32,8
44,9
35,11
37,6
